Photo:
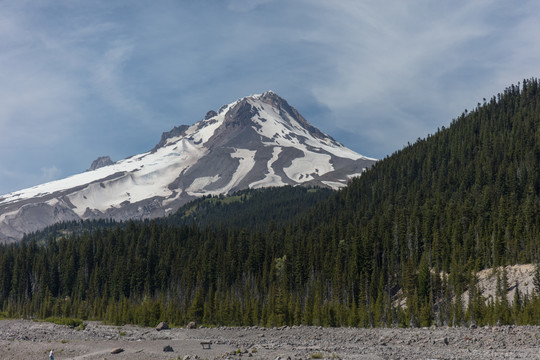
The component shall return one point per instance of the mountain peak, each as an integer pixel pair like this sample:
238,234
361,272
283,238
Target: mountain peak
280,103
256,141
267,94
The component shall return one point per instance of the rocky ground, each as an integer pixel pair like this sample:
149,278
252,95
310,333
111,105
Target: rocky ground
23,339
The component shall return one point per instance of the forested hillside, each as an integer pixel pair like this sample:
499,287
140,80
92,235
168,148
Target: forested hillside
395,247
251,209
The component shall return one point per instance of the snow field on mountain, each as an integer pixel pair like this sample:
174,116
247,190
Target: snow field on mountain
246,162
145,175
270,179
202,131
67,183
272,128
302,169
155,171
198,185
271,124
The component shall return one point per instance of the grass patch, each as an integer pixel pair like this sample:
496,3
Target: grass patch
215,201
78,323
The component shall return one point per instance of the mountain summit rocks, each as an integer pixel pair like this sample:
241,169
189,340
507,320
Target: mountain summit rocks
100,162
257,141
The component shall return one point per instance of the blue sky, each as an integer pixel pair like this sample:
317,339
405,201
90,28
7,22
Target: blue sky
82,79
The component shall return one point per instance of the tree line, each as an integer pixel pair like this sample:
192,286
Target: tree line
398,246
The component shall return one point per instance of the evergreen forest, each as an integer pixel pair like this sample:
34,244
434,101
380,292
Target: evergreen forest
397,247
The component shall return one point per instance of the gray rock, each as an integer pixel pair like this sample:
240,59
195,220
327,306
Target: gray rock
441,341
210,114
162,326
100,162
192,325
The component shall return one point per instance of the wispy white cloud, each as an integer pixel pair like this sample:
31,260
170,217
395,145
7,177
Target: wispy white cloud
42,92
102,78
50,173
112,83
398,70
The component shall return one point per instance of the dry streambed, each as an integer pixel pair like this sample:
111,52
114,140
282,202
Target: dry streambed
23,339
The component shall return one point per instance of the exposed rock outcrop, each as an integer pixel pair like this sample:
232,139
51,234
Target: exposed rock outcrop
100,162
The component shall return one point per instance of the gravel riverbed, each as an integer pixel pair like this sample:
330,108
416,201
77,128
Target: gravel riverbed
25,339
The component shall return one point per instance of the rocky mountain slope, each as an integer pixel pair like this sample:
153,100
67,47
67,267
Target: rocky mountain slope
257,141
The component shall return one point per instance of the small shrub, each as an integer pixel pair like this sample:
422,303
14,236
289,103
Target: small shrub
65,321
317,355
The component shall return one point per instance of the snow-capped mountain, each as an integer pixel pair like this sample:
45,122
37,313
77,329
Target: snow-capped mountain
257,141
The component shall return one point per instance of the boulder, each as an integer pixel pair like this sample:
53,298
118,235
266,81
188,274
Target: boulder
117,351
162,326
168,348
192,325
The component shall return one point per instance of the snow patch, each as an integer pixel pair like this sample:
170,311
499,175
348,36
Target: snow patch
271,178
302,169
334,184
198,185
145,175
202,131
246,162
